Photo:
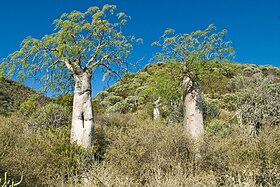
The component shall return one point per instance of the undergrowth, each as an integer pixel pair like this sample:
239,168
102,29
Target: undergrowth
131,150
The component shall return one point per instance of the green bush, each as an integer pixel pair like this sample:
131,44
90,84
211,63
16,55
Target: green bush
218,127
51,115
251,70
232,101
110,100
28,107
210,110
65,100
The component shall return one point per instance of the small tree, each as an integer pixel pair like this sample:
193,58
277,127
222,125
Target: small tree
82,43
190,49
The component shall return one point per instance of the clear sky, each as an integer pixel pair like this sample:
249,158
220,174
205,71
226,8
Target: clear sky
253,25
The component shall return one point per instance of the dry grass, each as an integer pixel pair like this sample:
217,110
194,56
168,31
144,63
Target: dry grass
151,153
133,152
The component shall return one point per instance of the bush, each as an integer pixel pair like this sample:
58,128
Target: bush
28,107
139,149
238,160
110,100
149,153
51,115
218,127
210,110
44,159
261,106
231,102
65,100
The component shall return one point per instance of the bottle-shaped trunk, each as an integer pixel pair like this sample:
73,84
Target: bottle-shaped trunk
193,118
82,130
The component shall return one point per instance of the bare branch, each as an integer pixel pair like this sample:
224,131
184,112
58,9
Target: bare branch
97,62
110,69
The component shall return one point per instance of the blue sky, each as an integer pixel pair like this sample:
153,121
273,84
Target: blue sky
253,25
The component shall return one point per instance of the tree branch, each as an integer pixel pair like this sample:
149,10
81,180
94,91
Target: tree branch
97,48
110,69
67,64
97,62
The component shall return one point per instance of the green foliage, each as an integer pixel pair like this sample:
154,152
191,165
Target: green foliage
250,71
110,100
82,42
49,116
231,102
210,110
30,106
214,76
165,83
199,46
218,127
13,94
65,100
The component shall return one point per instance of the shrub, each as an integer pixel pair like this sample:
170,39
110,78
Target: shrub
251,70
65,100
28,107
237,160
44,159
119,107
141,149
110,100
210,110
149,153
261,106
232,101
218,127
51,115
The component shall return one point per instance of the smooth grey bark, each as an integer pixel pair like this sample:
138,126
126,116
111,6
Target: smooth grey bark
193,116
156,109
82,130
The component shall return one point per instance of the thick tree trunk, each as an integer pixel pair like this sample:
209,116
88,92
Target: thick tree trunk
82,119
193,118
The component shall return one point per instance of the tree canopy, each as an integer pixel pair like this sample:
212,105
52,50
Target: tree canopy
82,41
199,46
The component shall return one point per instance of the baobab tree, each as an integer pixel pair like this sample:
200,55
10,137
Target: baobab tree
190,49
82,43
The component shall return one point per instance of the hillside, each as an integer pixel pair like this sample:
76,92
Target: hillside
132,149
13,94
222,84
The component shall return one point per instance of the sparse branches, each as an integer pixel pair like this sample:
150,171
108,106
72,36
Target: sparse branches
82,41
198,46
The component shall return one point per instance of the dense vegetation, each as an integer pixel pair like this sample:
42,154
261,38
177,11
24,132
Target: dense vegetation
241,146
13,94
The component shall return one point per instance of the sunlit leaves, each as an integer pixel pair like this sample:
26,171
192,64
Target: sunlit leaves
198,46
169,31
81,41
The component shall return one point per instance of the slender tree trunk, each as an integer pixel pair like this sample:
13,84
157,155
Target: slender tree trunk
82,119
193,118
156,109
